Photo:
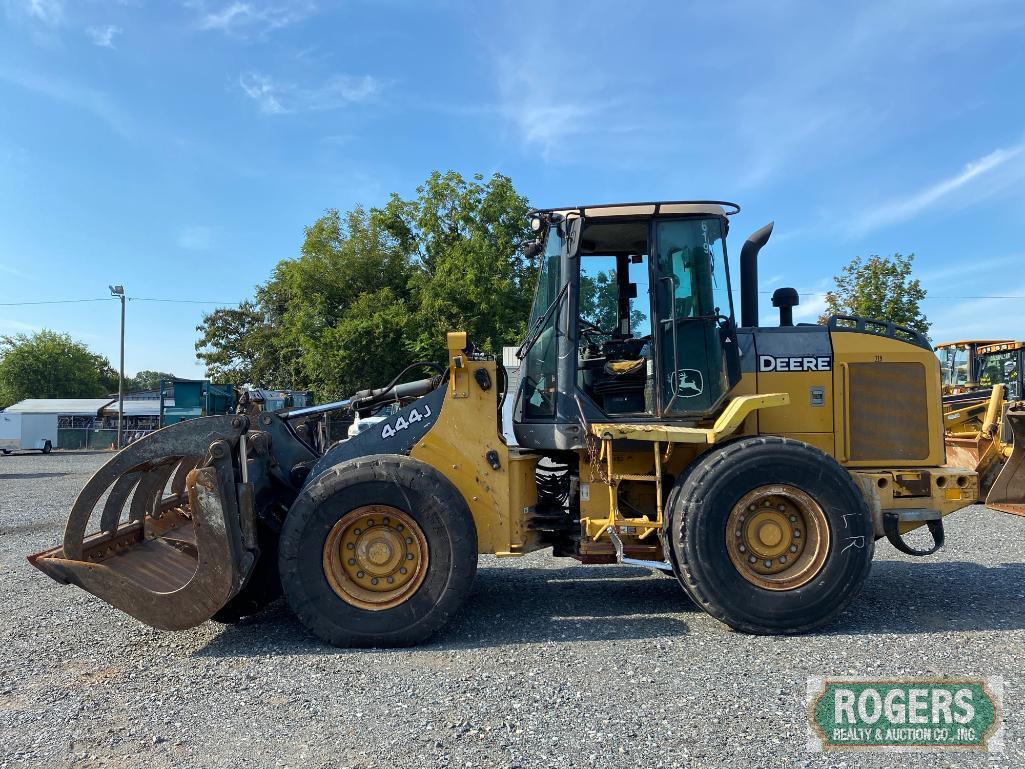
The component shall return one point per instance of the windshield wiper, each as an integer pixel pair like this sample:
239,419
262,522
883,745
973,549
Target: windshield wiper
534,333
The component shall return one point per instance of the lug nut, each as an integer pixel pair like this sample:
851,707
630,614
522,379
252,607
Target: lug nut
403,570
358,532
782,508
782,559
400,527
768,564
793,548
350,546
742,549
352,561
752,559
391,580
409,540
793,519
797,533
409,556
373,581
359,574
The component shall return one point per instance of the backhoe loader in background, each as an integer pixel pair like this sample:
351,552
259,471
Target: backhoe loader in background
981,381
759,465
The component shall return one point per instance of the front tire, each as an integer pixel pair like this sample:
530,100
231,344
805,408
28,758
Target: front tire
770,535
47,447
378,551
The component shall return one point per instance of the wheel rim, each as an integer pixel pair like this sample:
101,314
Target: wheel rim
375,557
777,537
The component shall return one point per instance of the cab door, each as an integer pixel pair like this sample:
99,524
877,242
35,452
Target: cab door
694,315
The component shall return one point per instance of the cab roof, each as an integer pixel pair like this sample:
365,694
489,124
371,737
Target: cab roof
653,208
976,342
999,347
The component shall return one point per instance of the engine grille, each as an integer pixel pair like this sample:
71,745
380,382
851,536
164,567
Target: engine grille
889,414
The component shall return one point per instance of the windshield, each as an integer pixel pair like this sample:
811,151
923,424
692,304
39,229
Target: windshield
539,348
954,365
1001,368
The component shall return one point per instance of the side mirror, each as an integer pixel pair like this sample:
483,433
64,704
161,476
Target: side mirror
531,248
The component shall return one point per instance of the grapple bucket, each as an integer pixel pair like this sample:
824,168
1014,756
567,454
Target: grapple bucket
175,539
1008,491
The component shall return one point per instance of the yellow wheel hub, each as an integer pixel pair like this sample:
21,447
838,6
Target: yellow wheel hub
777,537
375,557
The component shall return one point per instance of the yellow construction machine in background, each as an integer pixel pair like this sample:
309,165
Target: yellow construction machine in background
982,380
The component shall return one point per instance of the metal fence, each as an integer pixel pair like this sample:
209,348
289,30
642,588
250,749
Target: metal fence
71,438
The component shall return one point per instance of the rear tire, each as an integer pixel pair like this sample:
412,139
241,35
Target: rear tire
793,510
318,537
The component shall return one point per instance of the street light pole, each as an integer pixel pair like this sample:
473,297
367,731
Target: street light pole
119,291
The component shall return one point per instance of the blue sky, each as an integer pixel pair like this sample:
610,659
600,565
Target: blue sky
180,148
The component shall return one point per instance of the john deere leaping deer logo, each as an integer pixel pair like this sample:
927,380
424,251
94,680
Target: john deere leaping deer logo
687,383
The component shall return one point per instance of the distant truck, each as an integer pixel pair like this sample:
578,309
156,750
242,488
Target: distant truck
27,432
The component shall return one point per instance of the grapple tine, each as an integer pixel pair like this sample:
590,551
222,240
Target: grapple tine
181,473
1008,492
116,500
150,490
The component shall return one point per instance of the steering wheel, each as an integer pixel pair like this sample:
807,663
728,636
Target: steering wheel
589,329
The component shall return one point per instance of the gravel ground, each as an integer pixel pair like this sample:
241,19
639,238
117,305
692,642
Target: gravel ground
550,664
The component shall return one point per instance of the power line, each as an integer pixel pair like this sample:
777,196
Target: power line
54,301
107,299
182,301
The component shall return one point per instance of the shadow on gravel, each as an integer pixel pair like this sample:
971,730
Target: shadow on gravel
29,476
507,606
908,597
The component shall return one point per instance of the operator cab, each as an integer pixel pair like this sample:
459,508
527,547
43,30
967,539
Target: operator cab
632,320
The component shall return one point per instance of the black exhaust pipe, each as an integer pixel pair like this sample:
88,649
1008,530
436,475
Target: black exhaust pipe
749,275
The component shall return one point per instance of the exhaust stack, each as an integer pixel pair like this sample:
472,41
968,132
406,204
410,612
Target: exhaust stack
749,275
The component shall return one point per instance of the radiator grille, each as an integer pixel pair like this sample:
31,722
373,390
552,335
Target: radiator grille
889,414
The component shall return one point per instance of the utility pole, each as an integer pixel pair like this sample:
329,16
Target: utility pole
119,291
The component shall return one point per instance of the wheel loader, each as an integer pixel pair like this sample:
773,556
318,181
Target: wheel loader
759,465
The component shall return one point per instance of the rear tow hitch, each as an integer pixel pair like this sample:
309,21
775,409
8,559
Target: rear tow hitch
891,528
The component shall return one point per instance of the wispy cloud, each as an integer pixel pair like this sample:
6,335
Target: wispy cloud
16,326
50,12
252,18
103,36
276,97
905,208
13,271
979,318
196,238
96,102
544,117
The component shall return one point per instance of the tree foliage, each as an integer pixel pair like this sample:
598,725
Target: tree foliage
881,288
51,365
373,290
146,380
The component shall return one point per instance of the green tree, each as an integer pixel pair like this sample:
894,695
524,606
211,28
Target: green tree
881,288
146,380
373,290
463,240
51,365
